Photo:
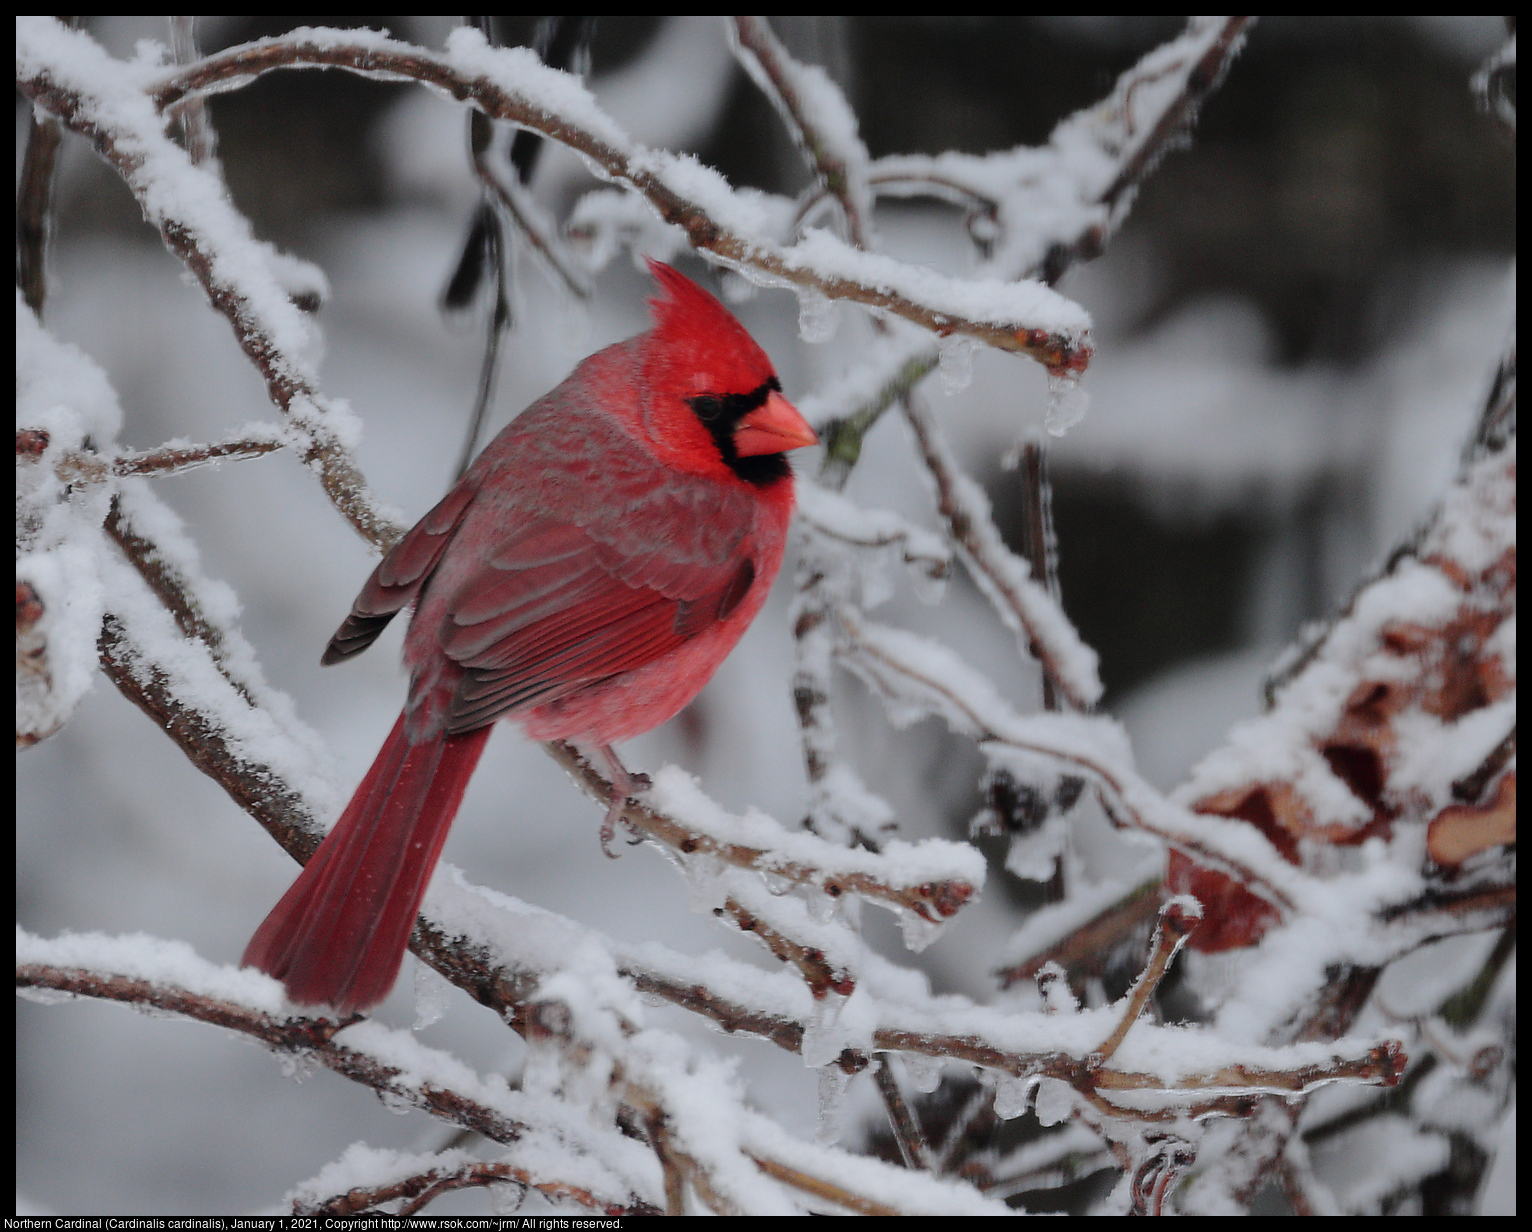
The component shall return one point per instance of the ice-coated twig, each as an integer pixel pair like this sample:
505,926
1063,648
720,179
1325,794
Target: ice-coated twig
540,230
1165,1159
821,977
196,125
1178,920
828,1191
1041,545
34,207
1022,601
84,468
1082,945
901,1119
839,519
817,117
670,1161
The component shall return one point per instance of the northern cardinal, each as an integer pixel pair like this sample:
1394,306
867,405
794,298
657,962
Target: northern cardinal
585,577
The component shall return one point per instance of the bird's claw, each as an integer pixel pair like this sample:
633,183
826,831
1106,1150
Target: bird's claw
637,784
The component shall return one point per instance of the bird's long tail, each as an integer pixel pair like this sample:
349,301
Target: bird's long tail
339,934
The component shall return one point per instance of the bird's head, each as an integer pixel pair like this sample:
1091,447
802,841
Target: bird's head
712,396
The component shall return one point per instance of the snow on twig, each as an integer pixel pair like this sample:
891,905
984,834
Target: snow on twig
1023,602
817,116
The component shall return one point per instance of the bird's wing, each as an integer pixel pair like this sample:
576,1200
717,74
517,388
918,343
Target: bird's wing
607,560
400,574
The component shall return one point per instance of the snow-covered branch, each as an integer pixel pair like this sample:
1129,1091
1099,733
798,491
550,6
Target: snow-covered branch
511,84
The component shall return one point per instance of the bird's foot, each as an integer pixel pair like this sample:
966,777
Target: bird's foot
625,786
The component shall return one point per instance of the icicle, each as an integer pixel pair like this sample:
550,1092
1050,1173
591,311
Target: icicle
930,587
704,882
918,931
817,317
398,1104
298,1065
431,994
833,1082
925,1073
823,1039
821,907
1067,404
1012,1095
737,289
1055,1101
954,362
506,1200
777,885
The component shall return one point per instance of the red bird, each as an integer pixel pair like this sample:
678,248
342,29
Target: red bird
585,577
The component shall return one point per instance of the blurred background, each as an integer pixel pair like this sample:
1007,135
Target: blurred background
1294,329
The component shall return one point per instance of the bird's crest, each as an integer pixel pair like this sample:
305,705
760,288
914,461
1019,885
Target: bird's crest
696,342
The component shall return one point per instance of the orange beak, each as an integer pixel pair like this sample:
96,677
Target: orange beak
772,428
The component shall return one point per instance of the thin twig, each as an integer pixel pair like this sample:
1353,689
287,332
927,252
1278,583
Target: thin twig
901,1118
820,1188
659,1137
1085,948
34,209
82,468
843,172
821,977
1040,546
196,125
1017,593
1178,920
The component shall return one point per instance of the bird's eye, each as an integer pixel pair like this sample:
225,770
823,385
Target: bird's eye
707,407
